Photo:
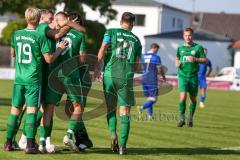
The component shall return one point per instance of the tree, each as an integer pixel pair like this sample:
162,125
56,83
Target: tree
95,30
19,6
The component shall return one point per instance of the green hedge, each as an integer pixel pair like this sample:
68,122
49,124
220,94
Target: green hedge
10,28
95,32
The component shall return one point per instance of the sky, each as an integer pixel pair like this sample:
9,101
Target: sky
227,6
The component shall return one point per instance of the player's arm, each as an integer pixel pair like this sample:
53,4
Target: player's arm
160,69
102,51
50,57
76,26
210,68
202,57
201,60
12,52
57,34
177,61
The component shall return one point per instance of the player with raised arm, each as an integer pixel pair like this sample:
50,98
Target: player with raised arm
120,49
29,48
188,56
151,63
202,74
70,82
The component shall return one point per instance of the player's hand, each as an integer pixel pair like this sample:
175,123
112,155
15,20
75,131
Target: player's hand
164,79
63,44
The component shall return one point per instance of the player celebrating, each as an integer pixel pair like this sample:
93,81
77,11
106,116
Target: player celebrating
151,65
77,46
29,47
123,50
202,79
188,56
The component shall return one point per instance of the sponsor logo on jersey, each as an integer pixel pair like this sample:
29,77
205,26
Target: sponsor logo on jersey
187,59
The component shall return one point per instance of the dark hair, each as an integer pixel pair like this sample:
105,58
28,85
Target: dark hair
188,30
154,45
46,11
128,17
74,15
62,13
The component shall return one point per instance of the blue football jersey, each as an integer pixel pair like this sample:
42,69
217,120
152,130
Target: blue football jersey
150,61
203,68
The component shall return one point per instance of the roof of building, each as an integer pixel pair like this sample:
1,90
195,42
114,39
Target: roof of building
198,35
224,24
148,3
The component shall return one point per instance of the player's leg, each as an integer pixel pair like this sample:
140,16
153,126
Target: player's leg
111,103
183,88
76,122
193,91
17,102
124,128
15,144
33,100
125,101
151,93
203,87
52,98
82,139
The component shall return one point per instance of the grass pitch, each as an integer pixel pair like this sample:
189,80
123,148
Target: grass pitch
215,135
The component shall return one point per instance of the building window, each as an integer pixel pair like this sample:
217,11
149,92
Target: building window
173,22
180,24
140,19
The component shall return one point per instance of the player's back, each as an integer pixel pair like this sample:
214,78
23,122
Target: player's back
150,61
76,44
28,56
122,52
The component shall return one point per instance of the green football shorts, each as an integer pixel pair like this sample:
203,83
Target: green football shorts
26,94
118,91
188,84
72,87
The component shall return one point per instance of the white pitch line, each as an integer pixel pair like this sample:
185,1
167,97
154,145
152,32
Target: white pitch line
231,148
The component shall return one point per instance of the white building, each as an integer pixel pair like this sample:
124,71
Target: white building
216,45
151,17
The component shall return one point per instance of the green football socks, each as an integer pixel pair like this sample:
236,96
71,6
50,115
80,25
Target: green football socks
124,129
182,109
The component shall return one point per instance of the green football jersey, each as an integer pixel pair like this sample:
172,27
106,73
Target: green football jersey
186,54
29,47
123,49
43,28
76,44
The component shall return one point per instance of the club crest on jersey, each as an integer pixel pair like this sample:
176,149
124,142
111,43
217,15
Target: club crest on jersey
193,52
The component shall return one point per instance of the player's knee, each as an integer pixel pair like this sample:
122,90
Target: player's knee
152,99
15,111
124,110
31,110
78,108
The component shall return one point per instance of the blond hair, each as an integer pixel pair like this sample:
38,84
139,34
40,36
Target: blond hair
32,15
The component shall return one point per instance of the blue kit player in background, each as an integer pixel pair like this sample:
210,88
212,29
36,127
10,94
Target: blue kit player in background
151,63
202,74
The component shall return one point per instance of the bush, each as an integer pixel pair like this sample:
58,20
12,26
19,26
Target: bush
10,28
95,33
